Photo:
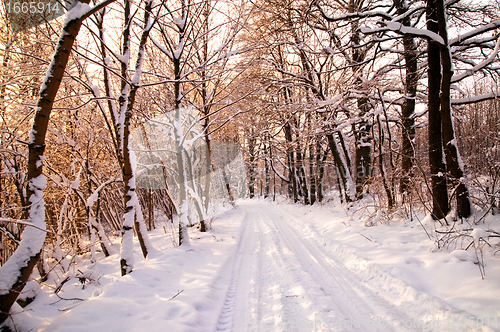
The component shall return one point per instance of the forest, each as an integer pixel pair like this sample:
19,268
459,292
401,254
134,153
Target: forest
117,114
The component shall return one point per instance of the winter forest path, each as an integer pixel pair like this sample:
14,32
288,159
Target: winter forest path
282,280
274,267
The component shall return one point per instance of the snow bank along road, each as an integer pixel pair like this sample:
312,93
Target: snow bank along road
281,279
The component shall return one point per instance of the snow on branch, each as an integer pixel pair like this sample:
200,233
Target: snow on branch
77,12
475,99
95,194
482,29
404,30
25,223
162,48
374,13
277,172
180,22
408,12
479,66
334,101
82,10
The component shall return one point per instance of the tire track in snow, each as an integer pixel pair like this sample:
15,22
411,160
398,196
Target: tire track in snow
277,300
255,298
279,278
389,293
356,303
246,246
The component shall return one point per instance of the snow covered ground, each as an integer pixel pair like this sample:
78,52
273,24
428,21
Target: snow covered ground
266,266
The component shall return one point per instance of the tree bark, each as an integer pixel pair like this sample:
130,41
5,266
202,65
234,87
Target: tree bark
251,166
408,108
453,160
28,253
130,199
363,148
291,162
266,166
343,170
312,173
440,206
388,191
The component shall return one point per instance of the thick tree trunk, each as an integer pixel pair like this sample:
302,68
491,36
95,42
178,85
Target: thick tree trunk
437,166
302,176
453,160
183,184
151,212
228,186
363,128
209,162
266,167
320,162
179,136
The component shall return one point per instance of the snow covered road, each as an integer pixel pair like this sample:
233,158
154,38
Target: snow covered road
269,267
283,280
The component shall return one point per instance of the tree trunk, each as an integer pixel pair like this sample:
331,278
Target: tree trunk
363,128
363,148
151,212
133,216
181,166
312,174
320,162
266,167
291,162
343,170
453,160
302,176
437,166
179,137
251,166
26,257
228,187
408,108
390,199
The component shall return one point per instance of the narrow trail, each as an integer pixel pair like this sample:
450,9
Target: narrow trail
283,281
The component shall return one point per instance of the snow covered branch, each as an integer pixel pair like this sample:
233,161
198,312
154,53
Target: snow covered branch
404,30
475,99
479,66
473,33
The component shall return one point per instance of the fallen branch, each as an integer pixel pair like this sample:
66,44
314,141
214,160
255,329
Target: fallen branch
173,297
365,237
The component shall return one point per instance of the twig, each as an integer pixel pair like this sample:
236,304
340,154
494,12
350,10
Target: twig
61,285
365,237
173,297
62,298
425,230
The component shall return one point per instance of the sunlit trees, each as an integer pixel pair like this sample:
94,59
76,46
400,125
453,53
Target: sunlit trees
15,273
319,95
